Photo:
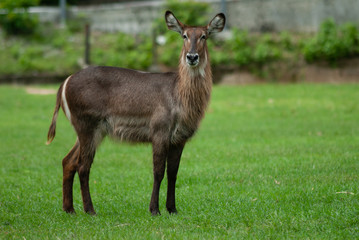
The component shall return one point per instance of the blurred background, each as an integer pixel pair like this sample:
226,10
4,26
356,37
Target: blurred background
43,41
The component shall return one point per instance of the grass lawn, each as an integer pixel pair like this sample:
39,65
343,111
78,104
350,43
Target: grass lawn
269,162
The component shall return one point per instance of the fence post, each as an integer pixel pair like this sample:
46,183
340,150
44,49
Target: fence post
87,44
224,10
154,66
63,13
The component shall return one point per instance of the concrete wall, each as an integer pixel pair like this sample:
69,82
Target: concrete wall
253,15
125,17
291,15
131,17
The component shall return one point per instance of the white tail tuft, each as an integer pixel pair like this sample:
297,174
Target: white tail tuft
64,101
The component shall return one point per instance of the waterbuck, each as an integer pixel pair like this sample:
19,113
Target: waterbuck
164,109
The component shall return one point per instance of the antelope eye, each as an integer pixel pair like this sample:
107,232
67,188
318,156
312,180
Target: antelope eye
203,37
184,36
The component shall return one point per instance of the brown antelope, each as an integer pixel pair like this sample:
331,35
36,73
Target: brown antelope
164,109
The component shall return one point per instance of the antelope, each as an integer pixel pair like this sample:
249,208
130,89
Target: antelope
163,109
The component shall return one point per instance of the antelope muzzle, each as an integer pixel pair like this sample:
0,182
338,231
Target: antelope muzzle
192,59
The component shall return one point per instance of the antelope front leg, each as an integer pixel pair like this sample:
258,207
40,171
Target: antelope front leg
159,164
173,160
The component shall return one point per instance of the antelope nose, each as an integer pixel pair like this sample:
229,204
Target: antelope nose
192,58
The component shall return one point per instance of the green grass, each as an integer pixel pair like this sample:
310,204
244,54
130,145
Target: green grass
269,162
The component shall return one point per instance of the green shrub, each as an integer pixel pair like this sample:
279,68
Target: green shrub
58,53
14,4
285,40
239,46
332,43
18,23
264,53
17,20
125,51
77,24
251,50
216,51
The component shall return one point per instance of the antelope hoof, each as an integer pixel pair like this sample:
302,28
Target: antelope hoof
155,212
70,210
91,212
172,211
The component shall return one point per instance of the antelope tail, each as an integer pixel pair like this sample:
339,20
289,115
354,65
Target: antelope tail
52,128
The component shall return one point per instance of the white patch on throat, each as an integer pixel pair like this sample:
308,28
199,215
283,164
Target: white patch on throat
202,72
64,101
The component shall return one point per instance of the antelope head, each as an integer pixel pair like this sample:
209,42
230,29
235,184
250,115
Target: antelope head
194,50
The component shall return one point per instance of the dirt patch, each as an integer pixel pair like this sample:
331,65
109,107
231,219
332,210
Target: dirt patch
240,78
347,72
40,91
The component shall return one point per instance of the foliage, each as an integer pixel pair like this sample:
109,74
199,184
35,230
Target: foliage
57,53
18,23
247,50
17,20
332,42
286,41
123,50
14,4
268,162
77,24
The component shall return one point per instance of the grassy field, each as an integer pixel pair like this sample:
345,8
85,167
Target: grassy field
269,162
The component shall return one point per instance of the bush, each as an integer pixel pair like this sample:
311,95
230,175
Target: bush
126,51
18,23
75,25
17,20
249,50
57,54
332,43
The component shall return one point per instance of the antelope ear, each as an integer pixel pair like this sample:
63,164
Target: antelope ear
217,24
173,23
